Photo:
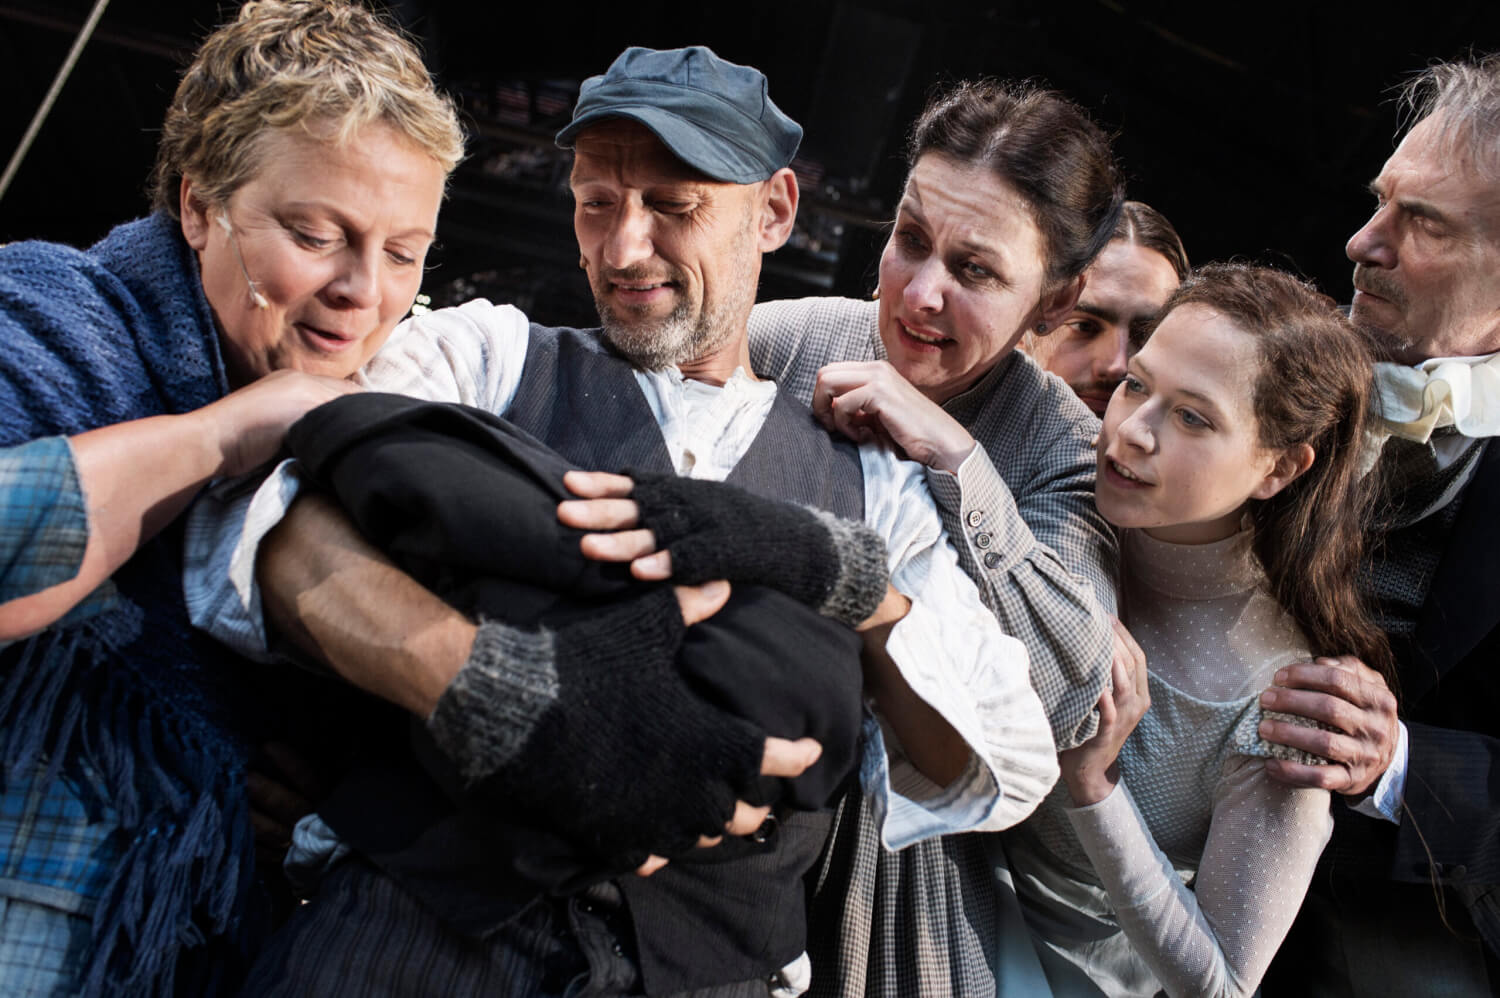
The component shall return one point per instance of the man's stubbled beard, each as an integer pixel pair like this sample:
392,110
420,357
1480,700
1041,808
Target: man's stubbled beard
680,337
1384,342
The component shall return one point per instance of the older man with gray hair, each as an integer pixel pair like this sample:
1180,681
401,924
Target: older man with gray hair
1408,899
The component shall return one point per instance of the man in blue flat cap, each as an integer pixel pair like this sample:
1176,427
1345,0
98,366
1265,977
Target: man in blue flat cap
681,183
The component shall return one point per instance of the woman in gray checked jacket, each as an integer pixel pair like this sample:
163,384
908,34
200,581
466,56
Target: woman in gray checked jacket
1012,192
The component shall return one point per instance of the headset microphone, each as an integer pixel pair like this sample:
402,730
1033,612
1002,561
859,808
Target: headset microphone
255,295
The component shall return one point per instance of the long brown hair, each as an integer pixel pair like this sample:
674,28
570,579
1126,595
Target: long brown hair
1313,386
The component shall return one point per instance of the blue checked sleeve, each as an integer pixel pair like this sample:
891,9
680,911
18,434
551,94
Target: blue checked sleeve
44,523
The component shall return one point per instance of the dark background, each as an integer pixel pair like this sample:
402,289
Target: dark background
1254,127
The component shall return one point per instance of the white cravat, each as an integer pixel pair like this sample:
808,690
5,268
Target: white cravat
1462,392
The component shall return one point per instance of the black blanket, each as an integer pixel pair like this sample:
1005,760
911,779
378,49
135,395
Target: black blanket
466,503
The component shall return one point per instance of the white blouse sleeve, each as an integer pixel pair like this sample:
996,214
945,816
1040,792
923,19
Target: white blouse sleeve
952,653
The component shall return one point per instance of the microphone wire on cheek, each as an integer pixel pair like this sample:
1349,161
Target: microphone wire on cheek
256,297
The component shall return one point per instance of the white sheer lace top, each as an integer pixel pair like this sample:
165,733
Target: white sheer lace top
1202,859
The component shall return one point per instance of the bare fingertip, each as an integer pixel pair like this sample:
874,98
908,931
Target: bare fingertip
654,568
651,865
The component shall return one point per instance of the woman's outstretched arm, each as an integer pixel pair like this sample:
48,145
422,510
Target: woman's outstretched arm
135,477
1219,937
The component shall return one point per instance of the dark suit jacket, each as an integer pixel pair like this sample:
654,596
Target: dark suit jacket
1450,691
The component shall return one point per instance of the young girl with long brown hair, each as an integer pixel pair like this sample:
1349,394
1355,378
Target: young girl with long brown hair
1167,860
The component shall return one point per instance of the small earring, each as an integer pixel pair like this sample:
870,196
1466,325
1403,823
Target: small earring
1041,327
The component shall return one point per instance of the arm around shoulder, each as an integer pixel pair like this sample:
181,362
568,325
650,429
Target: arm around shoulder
791,339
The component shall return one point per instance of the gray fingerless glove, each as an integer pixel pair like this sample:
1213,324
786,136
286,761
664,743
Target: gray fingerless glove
717,531
588,730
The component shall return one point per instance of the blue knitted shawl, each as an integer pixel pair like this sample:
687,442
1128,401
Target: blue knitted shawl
118,332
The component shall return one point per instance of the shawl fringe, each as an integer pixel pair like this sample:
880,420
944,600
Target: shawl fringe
178,795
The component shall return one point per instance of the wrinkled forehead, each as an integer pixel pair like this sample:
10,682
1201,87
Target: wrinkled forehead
619,146
1439,151
1458,139
1437,168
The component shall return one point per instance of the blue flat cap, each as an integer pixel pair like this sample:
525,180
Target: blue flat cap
715,116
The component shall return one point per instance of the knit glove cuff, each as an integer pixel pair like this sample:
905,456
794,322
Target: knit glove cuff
718,531
492,706
588,730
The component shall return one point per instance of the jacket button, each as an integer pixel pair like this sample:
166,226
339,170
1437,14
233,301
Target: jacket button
983,540
976,517
991,560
